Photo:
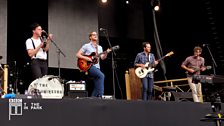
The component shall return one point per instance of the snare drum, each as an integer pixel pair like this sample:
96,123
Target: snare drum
48,87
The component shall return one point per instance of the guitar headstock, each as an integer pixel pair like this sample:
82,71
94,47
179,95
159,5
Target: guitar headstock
208,67
115,47
170,53
112,48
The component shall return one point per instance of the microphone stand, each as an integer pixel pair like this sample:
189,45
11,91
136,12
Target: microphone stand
16,76
59,52
112,60
214,65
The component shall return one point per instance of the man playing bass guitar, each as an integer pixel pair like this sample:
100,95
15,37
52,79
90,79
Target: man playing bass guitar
94,68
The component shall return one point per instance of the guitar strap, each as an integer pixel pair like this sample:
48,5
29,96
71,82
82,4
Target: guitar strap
149,57
96,49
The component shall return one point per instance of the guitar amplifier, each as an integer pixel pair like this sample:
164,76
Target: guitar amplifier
76,89
76,85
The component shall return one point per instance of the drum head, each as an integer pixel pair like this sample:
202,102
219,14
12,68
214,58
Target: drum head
49,87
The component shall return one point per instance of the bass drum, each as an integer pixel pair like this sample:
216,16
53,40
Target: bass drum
47,87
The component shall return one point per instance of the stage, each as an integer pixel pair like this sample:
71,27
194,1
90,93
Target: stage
101,112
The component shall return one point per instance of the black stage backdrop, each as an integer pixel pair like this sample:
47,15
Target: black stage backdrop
181,26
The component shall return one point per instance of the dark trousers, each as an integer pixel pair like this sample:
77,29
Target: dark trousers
147,88
39,68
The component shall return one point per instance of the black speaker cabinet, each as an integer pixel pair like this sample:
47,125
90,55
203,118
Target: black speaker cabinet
182,96
77,94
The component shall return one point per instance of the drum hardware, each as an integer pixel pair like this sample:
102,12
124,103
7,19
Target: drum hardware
2,92
13,78
1,67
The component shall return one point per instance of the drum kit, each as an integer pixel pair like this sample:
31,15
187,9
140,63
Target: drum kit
46,87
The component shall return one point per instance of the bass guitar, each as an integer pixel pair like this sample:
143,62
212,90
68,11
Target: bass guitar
84,65
142,72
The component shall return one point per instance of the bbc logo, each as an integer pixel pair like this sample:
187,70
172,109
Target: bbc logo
15,107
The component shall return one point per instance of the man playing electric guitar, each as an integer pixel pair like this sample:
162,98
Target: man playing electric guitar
148,81
141,72
94,70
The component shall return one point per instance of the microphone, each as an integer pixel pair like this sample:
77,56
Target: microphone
102,29
44,40
43,31
205,45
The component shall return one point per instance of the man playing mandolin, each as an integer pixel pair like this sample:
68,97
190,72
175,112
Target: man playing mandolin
148,81
89,55
194,65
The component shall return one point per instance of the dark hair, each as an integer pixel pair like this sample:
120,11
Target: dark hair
34,26
144,44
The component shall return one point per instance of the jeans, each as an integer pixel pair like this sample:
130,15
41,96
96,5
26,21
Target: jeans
147,88
98,80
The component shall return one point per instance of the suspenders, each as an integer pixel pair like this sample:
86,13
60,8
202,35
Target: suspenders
33,45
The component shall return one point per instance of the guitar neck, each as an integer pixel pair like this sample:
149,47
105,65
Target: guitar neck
105,52
161,58
99,54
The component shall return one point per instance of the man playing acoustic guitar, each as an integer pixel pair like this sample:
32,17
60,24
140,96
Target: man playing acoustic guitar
89,62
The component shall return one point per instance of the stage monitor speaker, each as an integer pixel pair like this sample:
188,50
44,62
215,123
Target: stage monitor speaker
26,96
182,96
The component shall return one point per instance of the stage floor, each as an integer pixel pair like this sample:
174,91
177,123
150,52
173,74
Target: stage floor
101,112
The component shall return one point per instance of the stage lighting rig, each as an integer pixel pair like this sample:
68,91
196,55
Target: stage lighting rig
155,5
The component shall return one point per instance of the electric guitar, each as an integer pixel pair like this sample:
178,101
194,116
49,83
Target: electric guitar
142,72
84,65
